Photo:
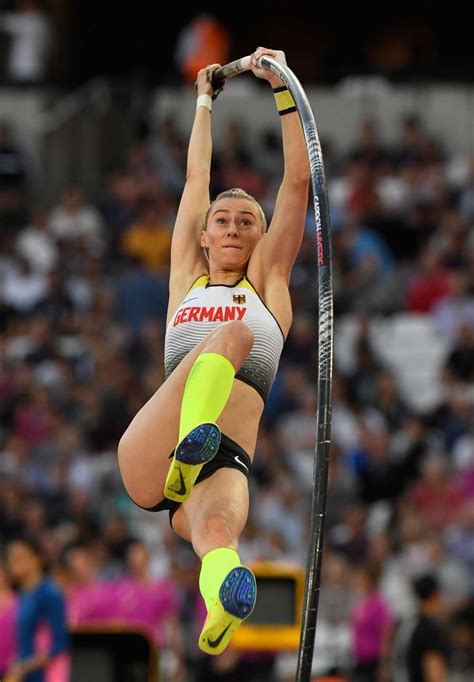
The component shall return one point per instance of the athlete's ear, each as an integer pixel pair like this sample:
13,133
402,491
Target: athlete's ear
204,243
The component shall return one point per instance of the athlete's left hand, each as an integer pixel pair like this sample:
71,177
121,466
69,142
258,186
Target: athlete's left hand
266,74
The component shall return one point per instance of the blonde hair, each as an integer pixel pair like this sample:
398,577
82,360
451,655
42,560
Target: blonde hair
238,193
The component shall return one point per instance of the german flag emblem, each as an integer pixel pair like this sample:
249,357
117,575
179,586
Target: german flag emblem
239,298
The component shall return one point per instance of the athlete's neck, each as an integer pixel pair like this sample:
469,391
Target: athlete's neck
225,276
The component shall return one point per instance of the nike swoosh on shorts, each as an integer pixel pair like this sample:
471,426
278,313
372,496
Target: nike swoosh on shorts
239,461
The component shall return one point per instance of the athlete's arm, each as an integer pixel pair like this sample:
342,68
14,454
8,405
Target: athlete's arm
281,244
187,260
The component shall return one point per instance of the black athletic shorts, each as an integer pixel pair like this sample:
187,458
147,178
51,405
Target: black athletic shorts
229,456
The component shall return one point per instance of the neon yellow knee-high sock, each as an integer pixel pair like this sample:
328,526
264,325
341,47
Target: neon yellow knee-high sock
206,391
216,564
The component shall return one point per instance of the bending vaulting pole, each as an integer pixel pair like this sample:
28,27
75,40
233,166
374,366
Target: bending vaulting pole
325,351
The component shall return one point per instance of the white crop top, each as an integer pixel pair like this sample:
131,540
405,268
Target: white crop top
205,307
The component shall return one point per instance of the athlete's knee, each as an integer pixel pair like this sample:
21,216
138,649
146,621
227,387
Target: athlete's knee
236,333
238,330
214,530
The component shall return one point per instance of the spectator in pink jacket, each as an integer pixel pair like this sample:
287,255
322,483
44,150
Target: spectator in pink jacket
371,622
8,609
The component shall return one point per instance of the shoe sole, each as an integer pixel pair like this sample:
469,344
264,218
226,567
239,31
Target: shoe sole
196,449
237,597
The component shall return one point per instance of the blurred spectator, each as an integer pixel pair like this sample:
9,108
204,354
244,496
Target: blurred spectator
461,539
146,602
389,402
268,161
203,41
58,307
408,447
42,637
451,241
282,518
168,155
434,495
235,165
31,42
342,490
336,598
23,288
373,468
89,600
119,207
233,148
412,143
467,196
368,147
455,309
8,609
14,167
11,523
362,383
36,245
394,583
427,654
15,179
33,416
148,239
74,220
297,431
460,362
350,538
451,574
463,455
333,648
372,624
430,285
117,540
366,265
462,644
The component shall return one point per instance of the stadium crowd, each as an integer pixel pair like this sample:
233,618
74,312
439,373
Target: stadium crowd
83,296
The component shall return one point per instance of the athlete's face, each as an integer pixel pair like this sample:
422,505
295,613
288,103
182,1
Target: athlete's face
233,229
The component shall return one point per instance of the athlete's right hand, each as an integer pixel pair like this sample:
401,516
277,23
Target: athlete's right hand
203,82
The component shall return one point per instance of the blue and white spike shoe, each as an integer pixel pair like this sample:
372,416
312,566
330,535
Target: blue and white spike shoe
197,448
234,604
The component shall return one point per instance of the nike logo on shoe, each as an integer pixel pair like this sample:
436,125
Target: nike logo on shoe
214,643
242,464
181,490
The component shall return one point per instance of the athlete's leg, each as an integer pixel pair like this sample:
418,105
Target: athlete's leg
207,390
145,446
213,519
154,432
215,514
